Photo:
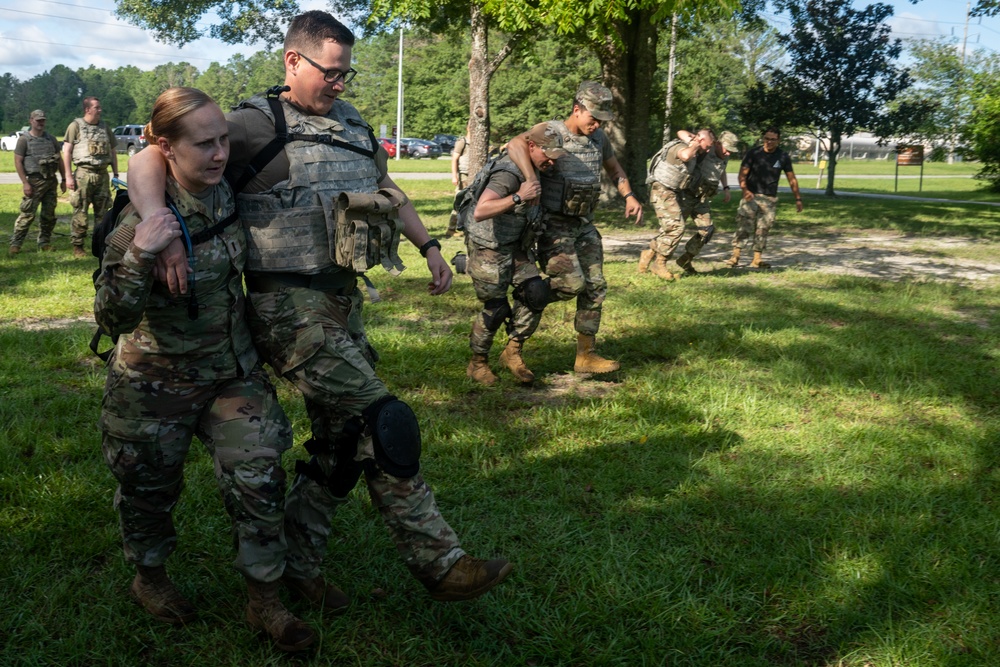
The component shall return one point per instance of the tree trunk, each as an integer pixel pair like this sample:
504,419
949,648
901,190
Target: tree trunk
627,71
479,91
835,137
671,71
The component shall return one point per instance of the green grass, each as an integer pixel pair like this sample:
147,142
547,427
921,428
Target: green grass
792,468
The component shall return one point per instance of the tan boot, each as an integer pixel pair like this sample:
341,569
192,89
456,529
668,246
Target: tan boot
78,252
757,263
735,259
684,261
469,578
588,361
157,594
479,370
317,592
15,250
266,613
645,257
511,358
660,269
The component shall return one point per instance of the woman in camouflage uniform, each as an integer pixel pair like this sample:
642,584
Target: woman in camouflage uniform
186,367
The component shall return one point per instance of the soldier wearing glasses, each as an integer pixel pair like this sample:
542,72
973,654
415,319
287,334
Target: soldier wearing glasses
759,176
305,312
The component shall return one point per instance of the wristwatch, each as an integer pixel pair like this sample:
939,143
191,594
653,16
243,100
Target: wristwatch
517,198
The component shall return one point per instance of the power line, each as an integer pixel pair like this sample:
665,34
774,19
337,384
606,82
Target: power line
102,48
70,18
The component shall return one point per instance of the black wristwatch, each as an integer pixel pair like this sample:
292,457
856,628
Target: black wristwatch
517,198
433,243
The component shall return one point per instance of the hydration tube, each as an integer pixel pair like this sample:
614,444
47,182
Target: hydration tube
193,301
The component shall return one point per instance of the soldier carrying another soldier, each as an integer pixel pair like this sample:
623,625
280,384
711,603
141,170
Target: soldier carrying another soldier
37,161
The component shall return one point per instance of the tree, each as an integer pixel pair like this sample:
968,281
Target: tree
843,74
175,21
984,127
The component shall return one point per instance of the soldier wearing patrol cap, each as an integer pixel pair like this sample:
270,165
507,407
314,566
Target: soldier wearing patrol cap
570,248
36,159
500,242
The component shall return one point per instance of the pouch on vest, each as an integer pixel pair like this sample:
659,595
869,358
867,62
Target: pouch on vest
48,165
580,198
364,229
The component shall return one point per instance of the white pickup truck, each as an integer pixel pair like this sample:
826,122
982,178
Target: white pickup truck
7,143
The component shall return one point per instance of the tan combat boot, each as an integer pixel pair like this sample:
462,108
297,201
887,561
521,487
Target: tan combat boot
645,257
78,252
266,613
735,259
317,592
588,361
479,370
469,578
684,261
157,594
511,358
15,250
660,269
757,262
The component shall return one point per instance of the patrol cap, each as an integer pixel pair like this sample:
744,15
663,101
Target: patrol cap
729,141
37,114
547,139
597,99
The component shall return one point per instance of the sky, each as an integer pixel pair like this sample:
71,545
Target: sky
35,36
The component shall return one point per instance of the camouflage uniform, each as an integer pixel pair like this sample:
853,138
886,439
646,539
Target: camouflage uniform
672,194
41,164
92,147
307,324
754,219
462,150
500,256
171,378
711,169
570,249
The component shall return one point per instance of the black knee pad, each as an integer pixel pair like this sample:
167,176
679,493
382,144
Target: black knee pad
395,436
708,233
535,293
346,471
495,312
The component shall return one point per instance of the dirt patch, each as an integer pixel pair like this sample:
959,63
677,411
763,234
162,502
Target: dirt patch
38,324
883,255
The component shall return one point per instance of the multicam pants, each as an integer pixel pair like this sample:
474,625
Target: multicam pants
148,426
492,272
92,188
672,208
571,253
44,192
463,182
316,340
754,218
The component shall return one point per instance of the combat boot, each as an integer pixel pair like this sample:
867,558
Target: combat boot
46,248
317,592
15,250
645,257
684,261
511,358
659,268
479,370
757,263
78,252
735,259
157,594
469,578
588,361
266,613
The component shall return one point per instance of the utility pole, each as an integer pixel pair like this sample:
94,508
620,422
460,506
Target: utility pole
965,35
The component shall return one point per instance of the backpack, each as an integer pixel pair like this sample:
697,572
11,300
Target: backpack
467,198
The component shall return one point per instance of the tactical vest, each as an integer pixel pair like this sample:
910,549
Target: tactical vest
674,176
42,156
463,157
573,186
710,173
329,213
506,227
92,149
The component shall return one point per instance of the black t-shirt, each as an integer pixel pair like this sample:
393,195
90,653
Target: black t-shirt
765,170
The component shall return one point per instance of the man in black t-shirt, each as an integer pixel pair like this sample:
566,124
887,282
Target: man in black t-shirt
759,176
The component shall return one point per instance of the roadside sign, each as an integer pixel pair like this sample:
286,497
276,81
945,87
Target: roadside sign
910,156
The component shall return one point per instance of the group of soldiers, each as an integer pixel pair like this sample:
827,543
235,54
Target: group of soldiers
89,144
319,209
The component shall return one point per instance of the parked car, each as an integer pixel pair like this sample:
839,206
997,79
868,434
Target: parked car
446,142
419,148
389,143
10,141
130,139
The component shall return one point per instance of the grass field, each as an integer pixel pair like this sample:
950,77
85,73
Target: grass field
791,468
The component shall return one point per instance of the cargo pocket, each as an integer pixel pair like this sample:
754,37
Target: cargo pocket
130,443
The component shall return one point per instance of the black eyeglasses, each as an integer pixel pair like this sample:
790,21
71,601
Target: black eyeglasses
330,75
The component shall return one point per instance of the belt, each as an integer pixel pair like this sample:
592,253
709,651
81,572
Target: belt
341,283
93,169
